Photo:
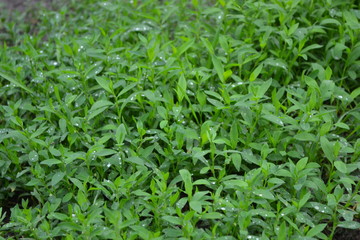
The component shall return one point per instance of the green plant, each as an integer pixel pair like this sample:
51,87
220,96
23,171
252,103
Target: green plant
181,120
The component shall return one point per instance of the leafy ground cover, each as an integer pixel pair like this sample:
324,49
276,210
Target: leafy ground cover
181,120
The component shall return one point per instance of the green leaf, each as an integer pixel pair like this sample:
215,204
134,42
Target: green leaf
105,152
162,112
50,162
306,137
320,207
264,193
127,88
330,21
33,156
316,230
248,156
224,43
304,199
351,20
173,220
263,88
274,119
141,231
120,134
354,94
78,184
201,182
353,56
218,67
328,148
68,49
276,181
325,128
98,107
163,124
342,125
312,46
216,103
16,82
183,48
34,182
196,205
208,45
191,134
292,29
328,72
283,173
235,184
212,215
349,225
62,125
57,177
262,212
337,51
58,216
282,234
181,87
236,160
311,83
54,151
340,166
186,177
234,134
278,63
301,164
100,104
94,70
256,73
135,160
104,83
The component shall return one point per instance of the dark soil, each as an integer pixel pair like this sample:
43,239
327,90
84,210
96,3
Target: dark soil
21,5
23,11
347,234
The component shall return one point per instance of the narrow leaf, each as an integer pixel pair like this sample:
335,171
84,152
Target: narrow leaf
316,230
219,68
16,82
256,73
186,177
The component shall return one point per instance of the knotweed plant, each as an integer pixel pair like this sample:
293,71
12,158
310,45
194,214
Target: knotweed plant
180,119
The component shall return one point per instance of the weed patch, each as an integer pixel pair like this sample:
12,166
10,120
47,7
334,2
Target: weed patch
181,120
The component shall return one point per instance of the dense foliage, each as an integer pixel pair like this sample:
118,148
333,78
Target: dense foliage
180,119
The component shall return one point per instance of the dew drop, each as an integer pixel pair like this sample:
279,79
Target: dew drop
332,13
81,47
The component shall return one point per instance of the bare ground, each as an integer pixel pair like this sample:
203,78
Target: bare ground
21,5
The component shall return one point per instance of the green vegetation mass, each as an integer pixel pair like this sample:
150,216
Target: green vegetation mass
180,119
